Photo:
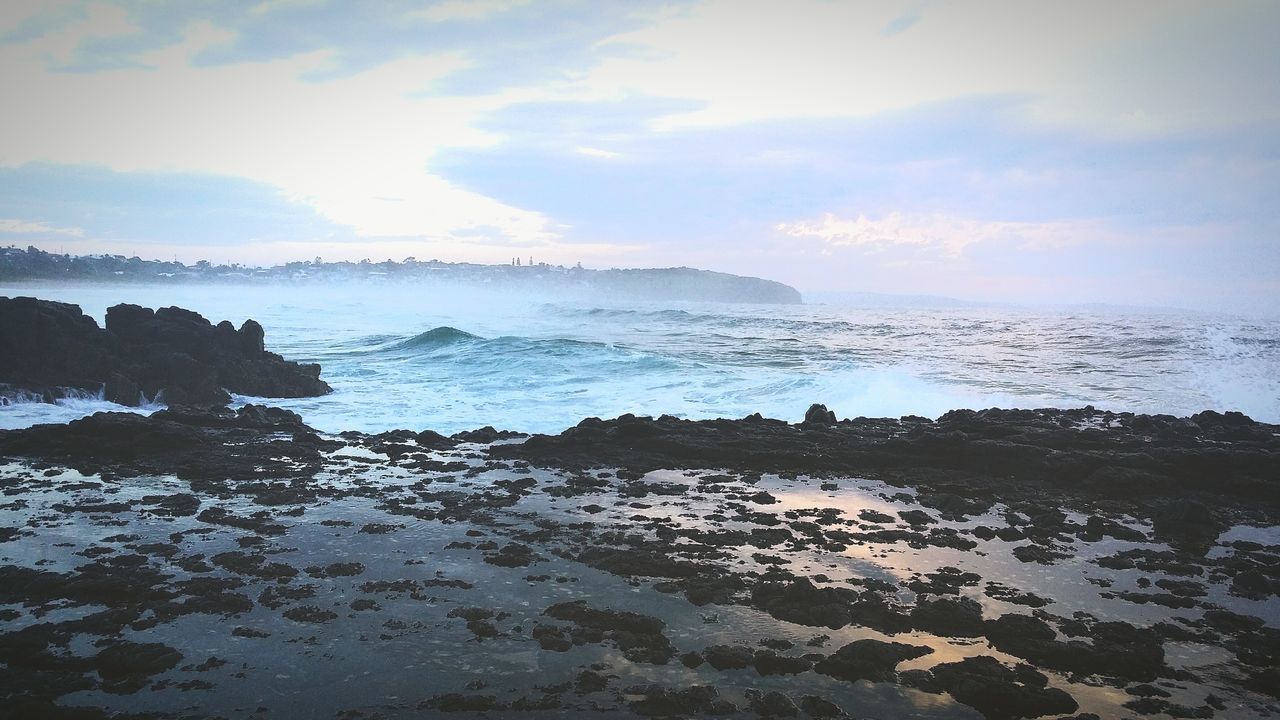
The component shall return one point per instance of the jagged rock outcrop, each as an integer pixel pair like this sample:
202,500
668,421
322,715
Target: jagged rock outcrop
1132,461
52,349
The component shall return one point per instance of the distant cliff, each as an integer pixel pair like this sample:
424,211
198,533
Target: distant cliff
684,283
650,284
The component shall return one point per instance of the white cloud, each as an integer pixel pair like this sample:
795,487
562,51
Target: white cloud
339,146
596,152
1131,68
11,226
946,235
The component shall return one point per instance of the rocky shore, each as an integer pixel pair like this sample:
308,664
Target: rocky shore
53,350
998,564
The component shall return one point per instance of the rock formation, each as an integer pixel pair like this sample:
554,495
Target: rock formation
53,349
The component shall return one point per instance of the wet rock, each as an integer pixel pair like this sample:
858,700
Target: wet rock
769,662
638,636
338,569
589,682
802,603
641,563
871,660
1232,622
953,506
818,414
1186,524
486,434
513,555
254,565
1038,554
948,617
1015,628
310,614
692,659
998,691
126,667
1097,527
728,657
1152,705
771,704
658,701
817,707
142,353
552,637
1254,584
1010,534
946,581
873,516
1118,649
379,528
1015,596
916,517
177,505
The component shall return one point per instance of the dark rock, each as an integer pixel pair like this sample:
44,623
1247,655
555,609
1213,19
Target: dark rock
142,353
589,682
818,414
873,516
948,617
1118,649
126,667
1186,524
817,707
802,603
771,704
916,517
769,662
998,691
310,613
638,636
1038,554
729,657
1026,455
657,701
871,660
486,434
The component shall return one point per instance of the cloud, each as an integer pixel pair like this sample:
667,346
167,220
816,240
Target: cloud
948,236
11,226
1015,140
1132,75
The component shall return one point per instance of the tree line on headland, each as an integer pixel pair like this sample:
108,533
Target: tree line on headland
680,283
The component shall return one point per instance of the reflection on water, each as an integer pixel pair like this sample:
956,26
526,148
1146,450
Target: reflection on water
390,645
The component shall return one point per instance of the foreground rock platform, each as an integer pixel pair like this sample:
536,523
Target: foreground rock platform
240,564
53,348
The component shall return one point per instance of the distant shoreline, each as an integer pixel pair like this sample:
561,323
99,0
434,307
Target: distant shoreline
672,284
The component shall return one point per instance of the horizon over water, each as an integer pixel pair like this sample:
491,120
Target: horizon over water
454,358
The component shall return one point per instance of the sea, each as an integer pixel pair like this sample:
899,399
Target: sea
457,358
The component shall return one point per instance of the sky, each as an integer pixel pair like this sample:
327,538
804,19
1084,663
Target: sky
1001,151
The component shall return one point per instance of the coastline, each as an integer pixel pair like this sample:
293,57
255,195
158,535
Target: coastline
932,554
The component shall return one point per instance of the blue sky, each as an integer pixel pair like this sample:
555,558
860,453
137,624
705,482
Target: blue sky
1019,151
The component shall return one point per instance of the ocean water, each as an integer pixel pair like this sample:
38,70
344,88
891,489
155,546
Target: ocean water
449,359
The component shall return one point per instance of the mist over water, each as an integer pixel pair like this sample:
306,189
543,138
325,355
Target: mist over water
449,359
